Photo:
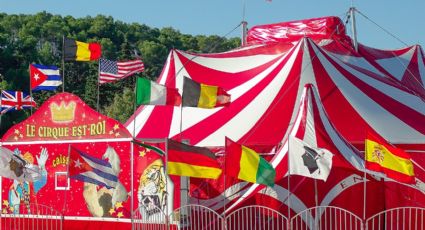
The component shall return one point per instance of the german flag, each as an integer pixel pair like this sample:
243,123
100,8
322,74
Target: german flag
191,161
393,162
80,51
203,96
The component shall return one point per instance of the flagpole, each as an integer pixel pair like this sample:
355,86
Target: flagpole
364,192
29,71
224,180
316,200
132,147
289,191
63,63
166,183
67,175
132,184
98,85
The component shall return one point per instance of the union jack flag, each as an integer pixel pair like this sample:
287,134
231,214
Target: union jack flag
15,100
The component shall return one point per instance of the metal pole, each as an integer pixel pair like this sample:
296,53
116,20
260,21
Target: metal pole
353,27
63,63
166,184
364,194
132,184
98,85
29,70
316,199
244,32
289,193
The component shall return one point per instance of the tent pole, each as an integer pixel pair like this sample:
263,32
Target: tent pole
353,27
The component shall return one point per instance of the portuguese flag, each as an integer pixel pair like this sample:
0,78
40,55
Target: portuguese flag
245,164
151,93
79,51
191,161
203,96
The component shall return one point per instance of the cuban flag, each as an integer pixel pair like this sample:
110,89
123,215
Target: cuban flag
44,77
15,100
86,168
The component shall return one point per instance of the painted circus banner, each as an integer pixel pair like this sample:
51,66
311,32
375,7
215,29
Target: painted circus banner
84,159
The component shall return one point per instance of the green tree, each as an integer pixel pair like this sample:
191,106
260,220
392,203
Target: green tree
122,106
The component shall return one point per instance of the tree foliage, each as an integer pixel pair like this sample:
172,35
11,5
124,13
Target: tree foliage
26,39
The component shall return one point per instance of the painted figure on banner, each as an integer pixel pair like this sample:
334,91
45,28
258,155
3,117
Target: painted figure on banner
103,202
152,196
20,190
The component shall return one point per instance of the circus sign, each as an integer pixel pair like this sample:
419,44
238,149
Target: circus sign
65,116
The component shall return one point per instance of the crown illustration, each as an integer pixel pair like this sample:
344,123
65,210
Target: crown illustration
62,113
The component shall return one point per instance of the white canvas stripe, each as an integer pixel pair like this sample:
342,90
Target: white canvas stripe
357,61
337,140
243,122
139,121
403,97
398,132
397,66
231,64
421,67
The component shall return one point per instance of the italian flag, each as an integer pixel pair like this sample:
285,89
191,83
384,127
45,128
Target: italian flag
151,93
251,167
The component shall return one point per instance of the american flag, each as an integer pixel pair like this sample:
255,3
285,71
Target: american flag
111,71
15,100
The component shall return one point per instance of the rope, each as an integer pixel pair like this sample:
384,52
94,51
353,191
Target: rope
398,58
386,31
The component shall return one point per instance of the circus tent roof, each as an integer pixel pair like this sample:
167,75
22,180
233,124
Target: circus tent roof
360,91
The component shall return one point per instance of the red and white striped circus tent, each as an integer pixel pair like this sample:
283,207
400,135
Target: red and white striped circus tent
368,90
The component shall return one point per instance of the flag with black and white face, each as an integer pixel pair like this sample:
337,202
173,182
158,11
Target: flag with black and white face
308,161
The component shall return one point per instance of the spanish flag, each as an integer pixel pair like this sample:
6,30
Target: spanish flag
245,164
80,51
203,96
191,161
393,162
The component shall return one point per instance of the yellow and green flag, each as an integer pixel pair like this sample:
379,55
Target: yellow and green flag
245,164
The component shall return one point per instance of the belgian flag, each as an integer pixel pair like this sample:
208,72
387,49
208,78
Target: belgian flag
80,51
200,95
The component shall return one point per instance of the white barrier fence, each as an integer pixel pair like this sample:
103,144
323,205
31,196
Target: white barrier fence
31,217
195,217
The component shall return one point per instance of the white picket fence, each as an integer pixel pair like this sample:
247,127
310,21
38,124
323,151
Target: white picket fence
31,217
196,217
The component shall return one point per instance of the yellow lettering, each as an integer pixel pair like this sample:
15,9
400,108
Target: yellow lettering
30,130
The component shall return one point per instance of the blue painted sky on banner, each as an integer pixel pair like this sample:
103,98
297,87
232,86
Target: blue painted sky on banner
403,19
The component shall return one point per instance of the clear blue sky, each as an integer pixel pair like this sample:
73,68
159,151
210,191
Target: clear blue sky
404,19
